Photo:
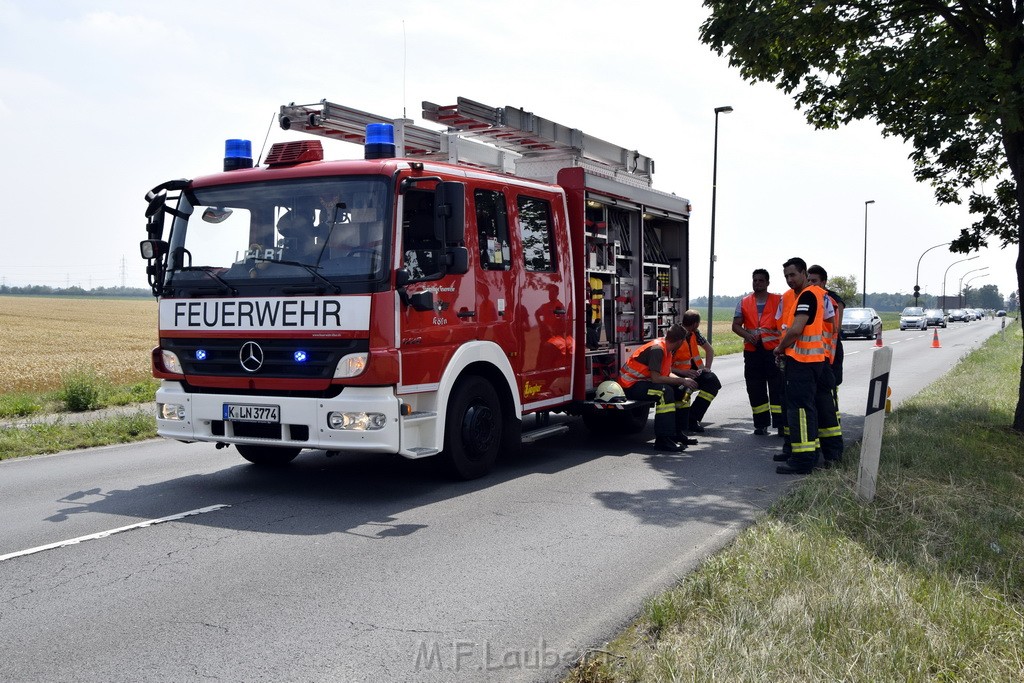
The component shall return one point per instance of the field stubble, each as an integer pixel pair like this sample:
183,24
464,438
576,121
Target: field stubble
42,339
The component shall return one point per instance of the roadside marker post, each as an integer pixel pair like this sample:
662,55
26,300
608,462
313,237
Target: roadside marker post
874,421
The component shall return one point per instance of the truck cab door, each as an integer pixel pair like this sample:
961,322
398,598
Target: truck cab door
428,336
545,307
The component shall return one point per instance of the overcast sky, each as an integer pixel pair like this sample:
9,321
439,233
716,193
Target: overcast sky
102,99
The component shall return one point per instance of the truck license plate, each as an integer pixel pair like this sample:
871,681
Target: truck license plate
241,412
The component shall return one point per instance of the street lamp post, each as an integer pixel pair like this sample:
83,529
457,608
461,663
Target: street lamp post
944,280
960,286
864,297
917,272
967,285
714,196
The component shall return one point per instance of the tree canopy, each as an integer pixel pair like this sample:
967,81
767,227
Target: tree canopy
947,77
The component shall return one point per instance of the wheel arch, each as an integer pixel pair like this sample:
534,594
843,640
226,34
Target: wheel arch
483,359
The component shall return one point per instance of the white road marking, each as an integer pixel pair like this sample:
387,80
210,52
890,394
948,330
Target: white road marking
111,532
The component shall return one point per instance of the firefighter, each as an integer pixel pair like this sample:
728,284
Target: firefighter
754,321
686,362
805,313
818,276
647,376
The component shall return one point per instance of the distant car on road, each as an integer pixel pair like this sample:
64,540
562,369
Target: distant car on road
913,317
935,317
1000,313
860,322
958,315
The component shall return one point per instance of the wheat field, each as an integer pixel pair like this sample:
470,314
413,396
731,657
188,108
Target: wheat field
42,338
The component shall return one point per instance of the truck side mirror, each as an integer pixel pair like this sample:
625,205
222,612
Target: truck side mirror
450,211
457,260
421,301
152,249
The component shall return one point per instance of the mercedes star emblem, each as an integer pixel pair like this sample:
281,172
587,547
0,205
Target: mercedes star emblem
251,356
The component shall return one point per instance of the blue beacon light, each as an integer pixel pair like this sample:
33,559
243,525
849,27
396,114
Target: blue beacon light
237,154
301,356
380,141
200,354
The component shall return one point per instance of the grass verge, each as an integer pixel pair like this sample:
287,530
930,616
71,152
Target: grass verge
81,390
65,435
923,584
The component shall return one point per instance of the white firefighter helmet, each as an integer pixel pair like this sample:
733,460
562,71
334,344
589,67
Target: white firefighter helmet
610,392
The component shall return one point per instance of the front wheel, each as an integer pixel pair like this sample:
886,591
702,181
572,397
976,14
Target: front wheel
473,430
267,456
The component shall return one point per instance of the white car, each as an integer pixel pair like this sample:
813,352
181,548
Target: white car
913,317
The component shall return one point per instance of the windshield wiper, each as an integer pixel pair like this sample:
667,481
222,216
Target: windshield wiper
308,268
207,270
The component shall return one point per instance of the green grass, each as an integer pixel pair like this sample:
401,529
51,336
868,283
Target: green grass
62,435
923,584
82,390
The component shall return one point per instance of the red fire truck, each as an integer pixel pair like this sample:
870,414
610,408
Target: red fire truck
425,299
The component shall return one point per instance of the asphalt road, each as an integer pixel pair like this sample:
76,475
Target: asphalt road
362,568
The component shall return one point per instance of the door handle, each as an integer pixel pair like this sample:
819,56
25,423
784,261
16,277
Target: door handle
559,311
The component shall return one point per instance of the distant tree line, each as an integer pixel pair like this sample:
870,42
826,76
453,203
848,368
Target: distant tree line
987,297
46,290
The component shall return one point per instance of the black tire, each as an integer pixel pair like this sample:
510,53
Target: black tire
267,456
600,422
611,422
473,429
634,421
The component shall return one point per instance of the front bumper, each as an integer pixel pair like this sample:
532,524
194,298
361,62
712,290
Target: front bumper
303,421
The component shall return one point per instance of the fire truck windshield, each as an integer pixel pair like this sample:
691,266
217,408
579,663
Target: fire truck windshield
310,231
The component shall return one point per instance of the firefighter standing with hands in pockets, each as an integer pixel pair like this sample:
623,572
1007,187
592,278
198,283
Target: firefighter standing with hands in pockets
754,321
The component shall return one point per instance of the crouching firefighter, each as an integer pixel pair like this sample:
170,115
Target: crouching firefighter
686,362
647,376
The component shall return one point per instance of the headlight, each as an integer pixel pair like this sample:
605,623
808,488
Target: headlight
357,421
171,363
170,411
351,365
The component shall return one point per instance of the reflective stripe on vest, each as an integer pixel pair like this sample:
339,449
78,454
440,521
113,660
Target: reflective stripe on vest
767,326
687,356
634,371
810,345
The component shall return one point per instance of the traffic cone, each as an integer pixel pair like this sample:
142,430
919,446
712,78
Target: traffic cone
878,339
935,340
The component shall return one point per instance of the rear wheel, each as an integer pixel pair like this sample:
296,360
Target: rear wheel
608,422
635,420
268,456
473,430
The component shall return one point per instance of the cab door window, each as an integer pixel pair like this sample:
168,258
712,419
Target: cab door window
537,234
420,247
492,229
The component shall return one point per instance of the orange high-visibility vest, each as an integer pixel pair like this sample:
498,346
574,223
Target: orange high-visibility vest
767,326
687,356
832,334
635,371
810,345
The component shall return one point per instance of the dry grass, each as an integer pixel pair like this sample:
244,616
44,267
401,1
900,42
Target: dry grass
42,339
